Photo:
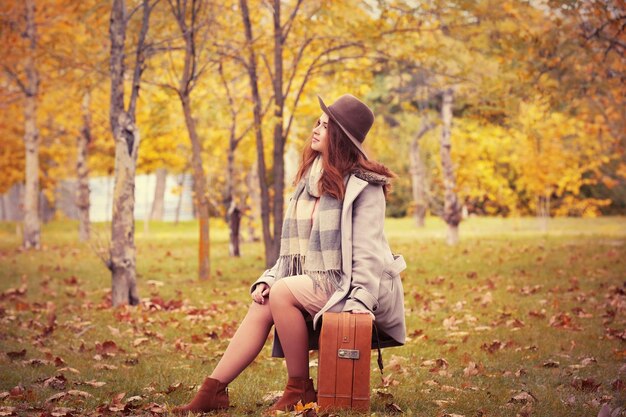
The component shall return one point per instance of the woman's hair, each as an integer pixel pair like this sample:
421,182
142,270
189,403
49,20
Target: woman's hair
339,157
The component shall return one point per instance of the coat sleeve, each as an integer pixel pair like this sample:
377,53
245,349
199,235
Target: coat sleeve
368,219
266,277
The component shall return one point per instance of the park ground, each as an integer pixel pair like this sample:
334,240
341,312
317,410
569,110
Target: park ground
514,320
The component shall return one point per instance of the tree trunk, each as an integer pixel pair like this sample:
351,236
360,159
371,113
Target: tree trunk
279,138
234,220
451,210
418,175
179,204
82,172
159,195
268,240
123,254
252,179
32,224
3,213
543,211
233,213
200,192
127,139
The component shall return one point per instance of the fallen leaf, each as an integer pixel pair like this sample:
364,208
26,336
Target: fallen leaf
68,369
385,396
492,347
94,383
56,397
77,393
551,364
618,385
139,341
7,411
62,412
108,346
471,369
272,396
523,398
585,384
173,387
16,355
57,382
393,408
17,391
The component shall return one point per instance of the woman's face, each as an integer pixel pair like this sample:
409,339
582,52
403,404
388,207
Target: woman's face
320,133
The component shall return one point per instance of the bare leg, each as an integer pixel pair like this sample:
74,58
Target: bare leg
291,327
246,343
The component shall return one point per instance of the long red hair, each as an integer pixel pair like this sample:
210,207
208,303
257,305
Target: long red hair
339,157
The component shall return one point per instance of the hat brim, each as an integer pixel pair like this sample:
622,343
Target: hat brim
330,114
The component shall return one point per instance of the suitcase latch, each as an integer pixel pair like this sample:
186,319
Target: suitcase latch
348,354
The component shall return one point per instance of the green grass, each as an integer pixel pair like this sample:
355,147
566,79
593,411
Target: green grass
575,266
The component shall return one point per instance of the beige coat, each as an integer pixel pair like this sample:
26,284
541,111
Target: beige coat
371,273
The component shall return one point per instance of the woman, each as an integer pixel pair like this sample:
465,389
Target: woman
333,257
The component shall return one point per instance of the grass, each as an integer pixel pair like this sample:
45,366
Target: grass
489,301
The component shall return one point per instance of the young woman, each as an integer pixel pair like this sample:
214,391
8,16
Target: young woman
333,257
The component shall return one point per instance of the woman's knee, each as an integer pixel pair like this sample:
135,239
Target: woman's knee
261,311
280,293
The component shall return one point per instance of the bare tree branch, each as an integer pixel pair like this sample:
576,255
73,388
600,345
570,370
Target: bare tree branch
140,56
16,78
286,28
295,63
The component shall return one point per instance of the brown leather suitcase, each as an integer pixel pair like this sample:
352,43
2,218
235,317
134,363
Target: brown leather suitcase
343,378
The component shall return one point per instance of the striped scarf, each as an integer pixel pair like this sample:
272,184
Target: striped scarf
312,247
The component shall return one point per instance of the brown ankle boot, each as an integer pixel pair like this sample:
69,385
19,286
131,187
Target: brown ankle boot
212,395
297,389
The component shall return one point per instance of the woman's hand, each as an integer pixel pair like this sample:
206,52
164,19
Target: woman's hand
364,312
261,291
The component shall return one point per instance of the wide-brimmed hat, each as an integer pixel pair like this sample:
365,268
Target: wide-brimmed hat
353,117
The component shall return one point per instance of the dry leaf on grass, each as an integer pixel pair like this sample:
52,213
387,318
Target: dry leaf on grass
585,384
523,398
393,408
7,411
551,364
16,355
56,397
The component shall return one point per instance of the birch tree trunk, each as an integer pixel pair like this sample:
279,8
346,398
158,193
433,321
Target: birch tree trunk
31,237
82,172
159,195
127,139
451,210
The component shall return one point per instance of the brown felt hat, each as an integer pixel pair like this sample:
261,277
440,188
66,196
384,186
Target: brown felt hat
353,117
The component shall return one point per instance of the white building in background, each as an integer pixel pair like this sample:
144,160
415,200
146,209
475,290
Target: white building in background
101,199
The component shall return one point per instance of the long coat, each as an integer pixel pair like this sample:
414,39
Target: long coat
370,271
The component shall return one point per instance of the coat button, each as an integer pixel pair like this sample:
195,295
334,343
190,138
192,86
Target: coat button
374,308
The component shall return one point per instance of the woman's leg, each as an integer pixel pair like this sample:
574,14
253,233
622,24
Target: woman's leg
246,343
291,327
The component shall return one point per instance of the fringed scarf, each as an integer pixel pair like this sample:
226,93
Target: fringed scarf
312,247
